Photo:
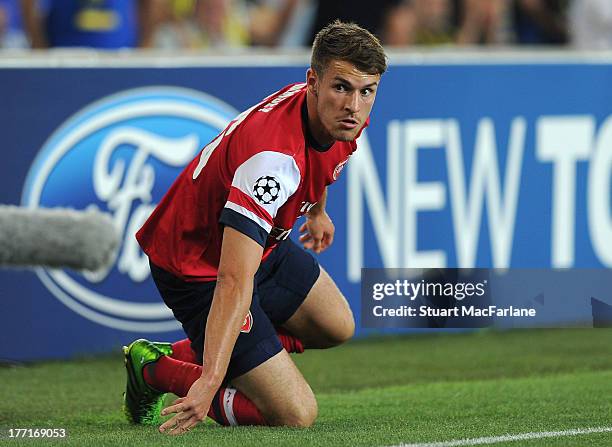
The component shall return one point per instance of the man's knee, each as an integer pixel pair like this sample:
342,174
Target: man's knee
342,332
334,332
279,391
301,414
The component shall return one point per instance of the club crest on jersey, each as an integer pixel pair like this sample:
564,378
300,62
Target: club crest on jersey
247,324
338,169
119,155
266,189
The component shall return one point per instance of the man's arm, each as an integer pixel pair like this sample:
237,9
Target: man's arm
240,259
318,229
320,205
33,24
146,23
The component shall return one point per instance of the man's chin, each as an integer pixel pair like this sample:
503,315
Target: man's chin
345,135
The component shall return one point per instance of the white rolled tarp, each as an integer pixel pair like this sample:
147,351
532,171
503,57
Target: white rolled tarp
56,237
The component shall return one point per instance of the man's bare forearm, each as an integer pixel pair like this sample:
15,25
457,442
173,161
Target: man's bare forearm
320,206
230,305
240,259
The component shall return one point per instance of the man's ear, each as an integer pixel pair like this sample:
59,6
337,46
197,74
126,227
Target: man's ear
312,81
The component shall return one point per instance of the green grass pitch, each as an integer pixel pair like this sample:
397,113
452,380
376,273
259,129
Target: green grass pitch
375,392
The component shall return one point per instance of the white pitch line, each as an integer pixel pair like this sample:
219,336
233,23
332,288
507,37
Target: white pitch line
509,438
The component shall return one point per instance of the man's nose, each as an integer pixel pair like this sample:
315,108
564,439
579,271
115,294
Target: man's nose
352,102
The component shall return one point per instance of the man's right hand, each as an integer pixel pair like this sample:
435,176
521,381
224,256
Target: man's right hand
240,259
189,410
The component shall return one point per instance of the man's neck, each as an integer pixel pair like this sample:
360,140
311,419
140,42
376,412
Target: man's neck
312,126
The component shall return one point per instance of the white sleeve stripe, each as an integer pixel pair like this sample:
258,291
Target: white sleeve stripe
250,215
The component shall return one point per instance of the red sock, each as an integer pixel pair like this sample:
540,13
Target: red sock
290,342
181,350
169,375
229,406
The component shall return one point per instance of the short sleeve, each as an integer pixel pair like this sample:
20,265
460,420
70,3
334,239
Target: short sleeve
261,185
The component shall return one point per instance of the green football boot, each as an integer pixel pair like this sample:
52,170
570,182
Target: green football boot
142,403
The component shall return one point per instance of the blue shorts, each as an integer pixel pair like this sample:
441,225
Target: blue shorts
281,284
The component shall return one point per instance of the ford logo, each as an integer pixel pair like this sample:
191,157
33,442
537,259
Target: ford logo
120,155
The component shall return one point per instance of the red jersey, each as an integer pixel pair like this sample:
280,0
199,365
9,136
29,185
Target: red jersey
258,176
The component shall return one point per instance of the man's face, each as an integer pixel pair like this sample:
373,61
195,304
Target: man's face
344,97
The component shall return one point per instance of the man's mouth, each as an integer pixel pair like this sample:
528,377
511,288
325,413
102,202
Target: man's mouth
349,123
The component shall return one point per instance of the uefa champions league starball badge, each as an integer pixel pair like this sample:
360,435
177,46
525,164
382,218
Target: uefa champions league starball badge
266,189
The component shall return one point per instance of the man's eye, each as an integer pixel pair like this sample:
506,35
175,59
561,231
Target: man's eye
340,88
366,92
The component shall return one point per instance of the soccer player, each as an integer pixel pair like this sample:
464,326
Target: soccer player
218,245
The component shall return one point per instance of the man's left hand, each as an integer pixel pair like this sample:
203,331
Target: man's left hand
318,232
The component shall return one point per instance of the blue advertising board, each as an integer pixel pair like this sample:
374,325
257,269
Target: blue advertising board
505,164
